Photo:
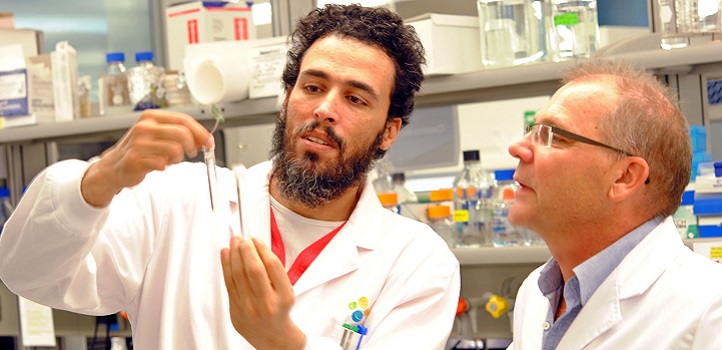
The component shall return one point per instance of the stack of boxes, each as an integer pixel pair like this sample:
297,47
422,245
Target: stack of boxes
698,201
707,180
708,199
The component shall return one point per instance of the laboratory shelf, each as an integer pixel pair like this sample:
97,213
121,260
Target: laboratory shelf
690,242
543,78
537,254
240,113
477,86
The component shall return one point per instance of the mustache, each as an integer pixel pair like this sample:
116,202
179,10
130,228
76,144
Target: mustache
328,130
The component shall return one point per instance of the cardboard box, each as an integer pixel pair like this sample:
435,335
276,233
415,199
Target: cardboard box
710,226
452,43
266,61
7,20
65,82
31,40
40,86
708,208
14,97
202,22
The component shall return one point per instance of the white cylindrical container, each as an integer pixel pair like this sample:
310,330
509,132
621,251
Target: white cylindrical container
574,31
217,80
511,31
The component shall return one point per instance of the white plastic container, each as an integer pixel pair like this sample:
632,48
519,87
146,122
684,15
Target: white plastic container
451,42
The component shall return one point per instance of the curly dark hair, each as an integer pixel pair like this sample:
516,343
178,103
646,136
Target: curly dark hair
379,27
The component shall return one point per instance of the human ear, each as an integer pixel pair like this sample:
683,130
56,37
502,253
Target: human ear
391,132
630,176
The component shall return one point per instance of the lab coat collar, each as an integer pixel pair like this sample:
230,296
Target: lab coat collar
341,256
635,274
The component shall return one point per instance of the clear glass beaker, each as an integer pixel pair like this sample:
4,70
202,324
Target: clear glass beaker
512,31
573,29
686,22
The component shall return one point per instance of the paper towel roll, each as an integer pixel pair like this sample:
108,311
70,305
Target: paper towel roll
214,78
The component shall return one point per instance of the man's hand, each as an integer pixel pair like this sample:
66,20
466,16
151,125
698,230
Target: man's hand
261,296
158,139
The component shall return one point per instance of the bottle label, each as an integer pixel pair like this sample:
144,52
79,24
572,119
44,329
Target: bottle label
466,193
566,19
461,215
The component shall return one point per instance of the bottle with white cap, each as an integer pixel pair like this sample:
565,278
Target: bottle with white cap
473,189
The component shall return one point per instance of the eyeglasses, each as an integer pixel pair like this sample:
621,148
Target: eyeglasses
542,135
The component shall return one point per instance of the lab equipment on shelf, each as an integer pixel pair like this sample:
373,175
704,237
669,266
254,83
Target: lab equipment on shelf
145,83
440,221
511,31
115,82
473,208
573,28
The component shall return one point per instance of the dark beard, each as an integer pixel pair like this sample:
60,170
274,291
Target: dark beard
304,179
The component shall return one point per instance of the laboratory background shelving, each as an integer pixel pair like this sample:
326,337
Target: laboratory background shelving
518,255
27,148
477,86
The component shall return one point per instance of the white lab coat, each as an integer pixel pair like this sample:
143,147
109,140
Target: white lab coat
661,296
154,253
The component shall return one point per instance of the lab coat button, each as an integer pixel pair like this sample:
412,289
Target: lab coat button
546,326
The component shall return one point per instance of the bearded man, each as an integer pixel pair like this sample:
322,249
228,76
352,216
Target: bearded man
133,230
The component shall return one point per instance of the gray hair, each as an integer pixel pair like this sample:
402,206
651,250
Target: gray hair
647,121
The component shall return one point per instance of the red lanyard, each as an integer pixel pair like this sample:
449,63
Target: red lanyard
306,257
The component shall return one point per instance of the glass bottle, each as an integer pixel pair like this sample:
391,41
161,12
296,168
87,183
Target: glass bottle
390,201
116,81
574,31
511,31
473,209
381,175
683,22
440,221
504,233
145,83
398,181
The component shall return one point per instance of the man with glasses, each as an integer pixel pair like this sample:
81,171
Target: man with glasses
601,171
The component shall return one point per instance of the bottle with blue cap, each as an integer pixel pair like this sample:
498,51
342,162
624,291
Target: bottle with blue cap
504,234
145,83
115,82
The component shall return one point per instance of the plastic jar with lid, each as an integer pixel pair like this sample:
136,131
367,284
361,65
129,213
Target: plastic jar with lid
390,201
441,222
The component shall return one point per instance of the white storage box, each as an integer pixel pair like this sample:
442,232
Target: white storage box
202,22
451,42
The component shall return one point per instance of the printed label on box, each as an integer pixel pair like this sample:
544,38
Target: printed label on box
14,92
267,68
